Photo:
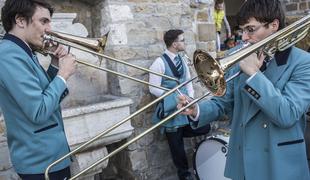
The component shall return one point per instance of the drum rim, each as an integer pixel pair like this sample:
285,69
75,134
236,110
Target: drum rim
196,148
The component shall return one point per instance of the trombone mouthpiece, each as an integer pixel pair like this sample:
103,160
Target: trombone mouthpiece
47,38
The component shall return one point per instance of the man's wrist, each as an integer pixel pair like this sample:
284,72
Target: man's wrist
195,115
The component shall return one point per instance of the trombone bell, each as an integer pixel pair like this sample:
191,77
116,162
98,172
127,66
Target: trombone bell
209,72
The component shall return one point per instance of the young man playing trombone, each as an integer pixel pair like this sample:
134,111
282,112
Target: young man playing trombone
268,102
30,97
172,64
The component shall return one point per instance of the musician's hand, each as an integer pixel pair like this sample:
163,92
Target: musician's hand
183,101
57,51
67,66
251,64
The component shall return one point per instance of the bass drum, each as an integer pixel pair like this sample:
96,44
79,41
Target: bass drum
210,158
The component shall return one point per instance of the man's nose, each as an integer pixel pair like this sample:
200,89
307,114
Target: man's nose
48,28
245,36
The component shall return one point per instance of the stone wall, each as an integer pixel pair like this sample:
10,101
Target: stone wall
293,7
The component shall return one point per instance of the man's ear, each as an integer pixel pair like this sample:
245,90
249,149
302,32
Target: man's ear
173,45
275,25
20,21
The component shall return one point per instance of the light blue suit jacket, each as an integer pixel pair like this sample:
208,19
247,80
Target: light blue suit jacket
268,119
29,99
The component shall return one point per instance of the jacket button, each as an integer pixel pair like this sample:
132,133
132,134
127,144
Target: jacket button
265,125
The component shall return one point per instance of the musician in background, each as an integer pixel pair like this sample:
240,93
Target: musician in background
172,64
268,102
30,97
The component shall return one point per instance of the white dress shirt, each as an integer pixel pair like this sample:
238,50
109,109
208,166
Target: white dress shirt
159,66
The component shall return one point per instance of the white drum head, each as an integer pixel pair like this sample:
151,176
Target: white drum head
210,159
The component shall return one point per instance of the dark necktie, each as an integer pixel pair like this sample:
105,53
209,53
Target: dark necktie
178,64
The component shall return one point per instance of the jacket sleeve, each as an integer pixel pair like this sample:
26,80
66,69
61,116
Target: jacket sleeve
214,108
287,105
21,81
52,71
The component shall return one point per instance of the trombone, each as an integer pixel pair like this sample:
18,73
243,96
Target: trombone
97,49
211,74
95,46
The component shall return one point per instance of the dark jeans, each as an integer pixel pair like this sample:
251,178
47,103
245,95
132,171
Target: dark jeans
176,144
63,174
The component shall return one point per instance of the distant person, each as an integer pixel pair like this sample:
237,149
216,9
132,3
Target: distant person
219,19
171,64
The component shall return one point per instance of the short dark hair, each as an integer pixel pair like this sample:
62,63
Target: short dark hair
22,8
264,11
172,35
218,2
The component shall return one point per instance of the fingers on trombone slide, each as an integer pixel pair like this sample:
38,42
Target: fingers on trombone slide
183,100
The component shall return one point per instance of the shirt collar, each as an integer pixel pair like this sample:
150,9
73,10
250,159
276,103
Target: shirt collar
19,42
281,57
171,55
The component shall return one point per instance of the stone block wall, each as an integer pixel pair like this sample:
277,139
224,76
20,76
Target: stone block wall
293,7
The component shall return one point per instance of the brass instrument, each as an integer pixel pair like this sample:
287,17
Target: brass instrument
90,47
94,46
211,74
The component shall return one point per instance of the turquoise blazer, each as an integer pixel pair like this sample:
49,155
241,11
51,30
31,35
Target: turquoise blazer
29,99
268,119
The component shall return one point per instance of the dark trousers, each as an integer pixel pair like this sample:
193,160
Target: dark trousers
176,144
63,174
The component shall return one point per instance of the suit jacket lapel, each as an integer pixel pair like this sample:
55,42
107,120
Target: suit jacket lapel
245,101
273,73
36,62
